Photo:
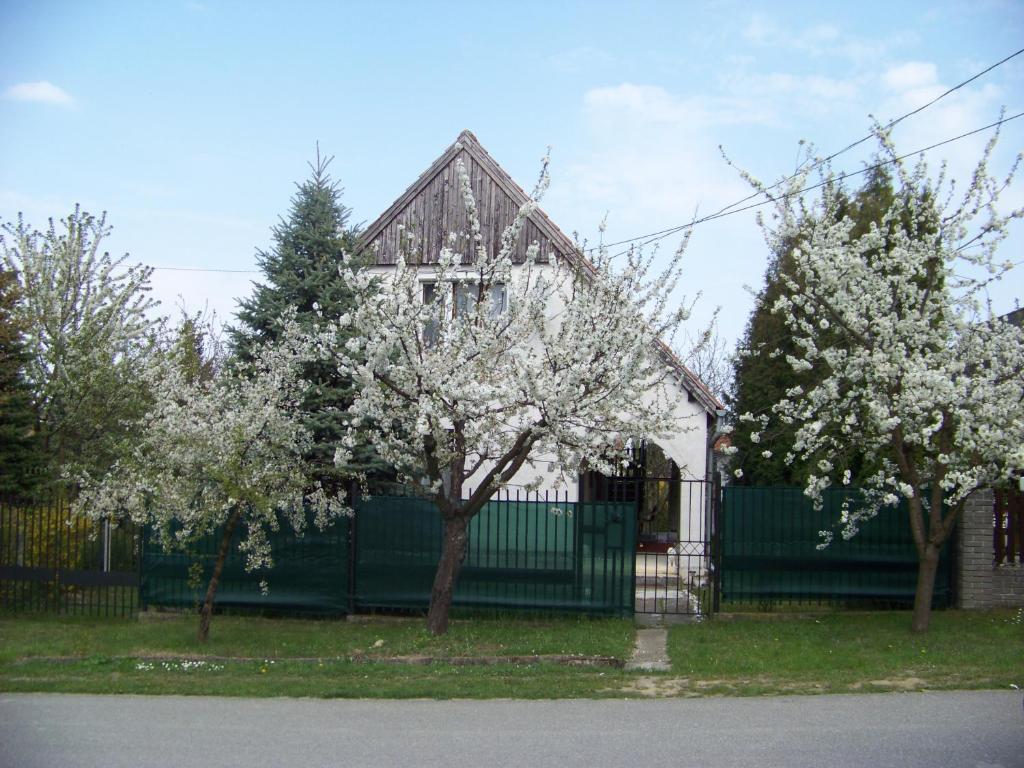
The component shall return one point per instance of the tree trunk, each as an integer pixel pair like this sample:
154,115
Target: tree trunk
456,539
927,567
218,567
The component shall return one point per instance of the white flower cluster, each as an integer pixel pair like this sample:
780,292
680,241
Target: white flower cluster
187,665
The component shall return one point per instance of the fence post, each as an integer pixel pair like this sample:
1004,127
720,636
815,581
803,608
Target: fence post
352,553
142,541
716,543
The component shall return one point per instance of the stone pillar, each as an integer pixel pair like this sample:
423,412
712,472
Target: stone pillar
980,582
974,552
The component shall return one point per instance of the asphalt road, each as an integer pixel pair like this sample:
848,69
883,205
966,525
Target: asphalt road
977,729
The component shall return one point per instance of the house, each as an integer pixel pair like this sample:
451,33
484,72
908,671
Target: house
433,207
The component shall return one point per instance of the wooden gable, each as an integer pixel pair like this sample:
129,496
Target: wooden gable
433,207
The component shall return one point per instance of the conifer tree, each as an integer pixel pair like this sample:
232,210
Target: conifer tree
20,455
300,271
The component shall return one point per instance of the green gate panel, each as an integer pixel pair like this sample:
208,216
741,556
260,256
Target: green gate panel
535,555
770,539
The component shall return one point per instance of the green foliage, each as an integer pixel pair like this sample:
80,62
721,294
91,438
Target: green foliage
762,377
301,272
197,349
20,455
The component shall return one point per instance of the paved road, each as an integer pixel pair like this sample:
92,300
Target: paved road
977,729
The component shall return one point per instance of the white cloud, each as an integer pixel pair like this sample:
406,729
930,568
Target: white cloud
650,159
649,156
42,91
777,98
820,40
914,84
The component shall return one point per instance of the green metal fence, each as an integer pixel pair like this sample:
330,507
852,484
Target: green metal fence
540,552
769,551
310,572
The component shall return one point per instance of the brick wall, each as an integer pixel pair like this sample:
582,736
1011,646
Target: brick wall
980,583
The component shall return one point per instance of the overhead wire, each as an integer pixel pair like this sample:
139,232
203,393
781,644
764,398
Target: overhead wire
655,236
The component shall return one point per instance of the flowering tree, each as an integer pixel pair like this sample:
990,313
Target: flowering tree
90,328
915,376
762,374
216,453
472,370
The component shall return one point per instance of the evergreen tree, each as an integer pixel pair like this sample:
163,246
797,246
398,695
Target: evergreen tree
21,460
301,272
197,347
763,374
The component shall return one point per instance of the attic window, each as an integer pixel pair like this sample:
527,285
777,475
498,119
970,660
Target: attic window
468,294
465,296
430,329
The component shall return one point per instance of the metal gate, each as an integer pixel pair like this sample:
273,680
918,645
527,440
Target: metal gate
675,573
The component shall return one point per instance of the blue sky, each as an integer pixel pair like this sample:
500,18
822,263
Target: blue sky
189,121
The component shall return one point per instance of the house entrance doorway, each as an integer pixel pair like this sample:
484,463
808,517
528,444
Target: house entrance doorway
674,524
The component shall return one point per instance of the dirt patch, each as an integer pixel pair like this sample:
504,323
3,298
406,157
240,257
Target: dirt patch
358,657
900,683
659,686
490,661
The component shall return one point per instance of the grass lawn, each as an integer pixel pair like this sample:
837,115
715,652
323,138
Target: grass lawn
846,652
746,655
251,656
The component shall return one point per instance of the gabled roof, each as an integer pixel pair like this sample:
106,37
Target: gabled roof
432,207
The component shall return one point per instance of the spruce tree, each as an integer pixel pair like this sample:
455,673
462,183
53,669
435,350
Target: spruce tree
300,272
762,373
21,459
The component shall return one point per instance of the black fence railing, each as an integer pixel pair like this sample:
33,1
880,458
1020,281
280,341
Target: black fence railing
672,583
720,548
674,573
52,560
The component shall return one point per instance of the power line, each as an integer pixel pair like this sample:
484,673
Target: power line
817,163
203,269
660,235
